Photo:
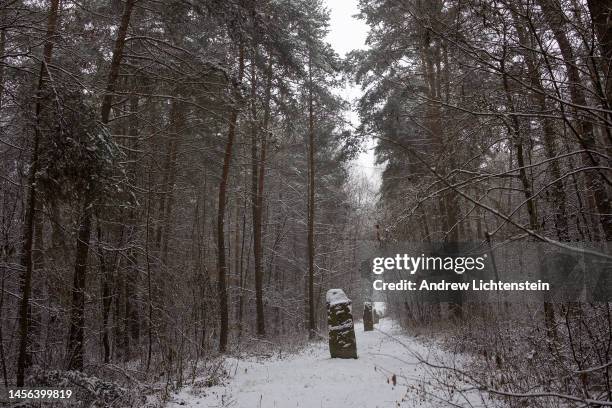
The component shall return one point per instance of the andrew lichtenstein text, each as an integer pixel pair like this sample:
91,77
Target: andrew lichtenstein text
459,265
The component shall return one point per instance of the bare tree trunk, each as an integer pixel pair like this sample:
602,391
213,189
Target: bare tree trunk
149,286
132,315
131,322
261,174
34,314
312,324
258,181
106,279
6,252
241,275
437,79
77,316
601,15
515,129
27,257
169,178
116,61
76,336
221,261
257,248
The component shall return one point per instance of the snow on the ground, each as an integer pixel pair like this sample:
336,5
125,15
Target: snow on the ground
312,379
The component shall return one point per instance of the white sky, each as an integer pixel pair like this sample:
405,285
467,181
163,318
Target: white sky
347,33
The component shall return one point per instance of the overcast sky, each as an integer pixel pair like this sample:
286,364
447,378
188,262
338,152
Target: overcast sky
345,34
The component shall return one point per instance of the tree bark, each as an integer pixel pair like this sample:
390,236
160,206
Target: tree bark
258,183
255,202
221,260
27,256
132,308
106,279
312,324
517,136
77,316
601,16
113,74
76,336
6,259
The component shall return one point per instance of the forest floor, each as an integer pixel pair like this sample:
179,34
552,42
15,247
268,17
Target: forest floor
312,379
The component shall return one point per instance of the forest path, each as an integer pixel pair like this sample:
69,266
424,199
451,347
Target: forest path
312,379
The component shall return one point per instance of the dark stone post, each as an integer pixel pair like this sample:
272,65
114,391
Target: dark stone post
342,342
368,321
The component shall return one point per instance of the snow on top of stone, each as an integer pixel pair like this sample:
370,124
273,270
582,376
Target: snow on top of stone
335,296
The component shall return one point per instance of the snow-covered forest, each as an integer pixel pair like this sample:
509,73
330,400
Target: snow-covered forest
180,189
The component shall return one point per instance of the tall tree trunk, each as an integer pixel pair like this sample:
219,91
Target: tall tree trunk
437,79
169,178
2,286
258,182
113,74
312,324
601,16
76,336
77,316
261,174
517,138
149,286
34,314
132,308
257,248
6,254
131,321
27,256
221,261
241,274
105,278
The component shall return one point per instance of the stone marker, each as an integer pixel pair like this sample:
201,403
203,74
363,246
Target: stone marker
368,319
342,342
